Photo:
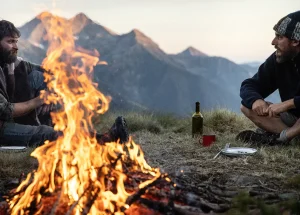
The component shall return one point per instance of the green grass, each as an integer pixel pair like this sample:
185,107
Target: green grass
167,143
217,121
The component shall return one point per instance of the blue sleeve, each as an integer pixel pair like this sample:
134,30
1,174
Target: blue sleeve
297,102
261,85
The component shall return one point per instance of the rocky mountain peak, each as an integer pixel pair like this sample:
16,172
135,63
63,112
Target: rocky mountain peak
191,51
43,14
137,33
142,39
79,22
81,17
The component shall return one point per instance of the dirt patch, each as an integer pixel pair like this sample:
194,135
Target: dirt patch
263,175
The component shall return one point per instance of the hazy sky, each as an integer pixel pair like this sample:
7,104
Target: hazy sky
240,30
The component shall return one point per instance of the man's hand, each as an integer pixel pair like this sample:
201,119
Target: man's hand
37,101
260,107
44,109
275,109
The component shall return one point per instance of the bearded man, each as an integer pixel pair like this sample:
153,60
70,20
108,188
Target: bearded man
277,123
21,107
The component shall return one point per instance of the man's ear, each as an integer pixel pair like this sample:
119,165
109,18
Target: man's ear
295,43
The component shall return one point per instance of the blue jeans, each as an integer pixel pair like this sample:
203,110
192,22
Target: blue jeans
26,135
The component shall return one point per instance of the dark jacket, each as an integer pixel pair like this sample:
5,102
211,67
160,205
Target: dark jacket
272,76
15,88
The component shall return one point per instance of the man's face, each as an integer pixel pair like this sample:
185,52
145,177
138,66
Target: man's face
8,49
284,48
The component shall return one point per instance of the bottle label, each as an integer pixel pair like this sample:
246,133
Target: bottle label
197,126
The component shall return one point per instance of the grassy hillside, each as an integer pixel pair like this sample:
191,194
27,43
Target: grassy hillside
167,143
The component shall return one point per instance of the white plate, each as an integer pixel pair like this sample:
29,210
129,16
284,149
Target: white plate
238,151
12,147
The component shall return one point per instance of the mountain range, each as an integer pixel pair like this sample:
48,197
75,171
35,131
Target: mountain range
140,75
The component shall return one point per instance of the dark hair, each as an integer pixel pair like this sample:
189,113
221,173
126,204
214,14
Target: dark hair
8,29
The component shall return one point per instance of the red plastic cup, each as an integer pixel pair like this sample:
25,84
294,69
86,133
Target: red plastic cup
208,139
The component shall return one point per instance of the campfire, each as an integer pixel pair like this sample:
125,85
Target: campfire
76,175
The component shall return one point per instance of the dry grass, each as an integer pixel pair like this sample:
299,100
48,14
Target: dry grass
167,144
12,165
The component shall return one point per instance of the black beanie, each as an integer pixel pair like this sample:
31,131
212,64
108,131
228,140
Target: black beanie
289,26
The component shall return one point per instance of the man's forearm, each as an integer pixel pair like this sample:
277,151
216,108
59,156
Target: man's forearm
23,108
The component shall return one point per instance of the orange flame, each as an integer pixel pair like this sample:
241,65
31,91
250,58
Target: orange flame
75,162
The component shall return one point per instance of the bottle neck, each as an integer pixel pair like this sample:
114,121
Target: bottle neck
197,107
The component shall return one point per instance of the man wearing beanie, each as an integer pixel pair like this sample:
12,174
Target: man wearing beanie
277,123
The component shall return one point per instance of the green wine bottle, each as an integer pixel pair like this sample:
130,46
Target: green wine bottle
197,122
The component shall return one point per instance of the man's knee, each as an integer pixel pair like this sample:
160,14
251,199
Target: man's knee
48,132
246,111
250,114
43,133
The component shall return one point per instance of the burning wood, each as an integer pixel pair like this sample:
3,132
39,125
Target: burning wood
81,176
76,175
161,196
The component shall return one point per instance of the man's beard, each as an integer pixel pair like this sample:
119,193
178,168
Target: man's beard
6,56
283,56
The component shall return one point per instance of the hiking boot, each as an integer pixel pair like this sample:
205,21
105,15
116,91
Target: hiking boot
119,130
262,131
103,138
258,138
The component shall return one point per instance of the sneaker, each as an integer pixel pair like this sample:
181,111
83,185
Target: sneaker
258,138
119,130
